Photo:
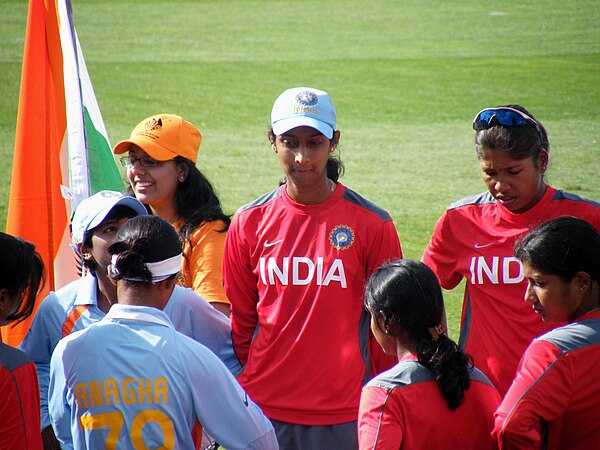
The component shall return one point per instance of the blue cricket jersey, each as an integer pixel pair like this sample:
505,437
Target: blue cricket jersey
132,381
75,307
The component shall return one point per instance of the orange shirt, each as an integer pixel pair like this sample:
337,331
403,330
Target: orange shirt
202,265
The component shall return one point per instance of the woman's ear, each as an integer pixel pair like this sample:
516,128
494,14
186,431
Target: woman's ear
182,172
85,252
271,137
543,161
583,281
381,321
335,140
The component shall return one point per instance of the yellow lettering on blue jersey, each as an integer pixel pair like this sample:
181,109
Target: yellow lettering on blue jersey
111,389
161,390
81,395
145,391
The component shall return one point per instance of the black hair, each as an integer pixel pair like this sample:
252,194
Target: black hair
562,246
408,294
141,240
519,142
117,213
335,167
196,201
21,274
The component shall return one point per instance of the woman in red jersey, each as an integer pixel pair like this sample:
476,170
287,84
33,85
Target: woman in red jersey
554,400
21,276
474,238
434,397
294,269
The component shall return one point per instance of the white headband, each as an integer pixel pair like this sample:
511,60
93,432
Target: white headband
160,270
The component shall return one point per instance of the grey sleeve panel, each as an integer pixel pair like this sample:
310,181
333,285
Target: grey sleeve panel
353,197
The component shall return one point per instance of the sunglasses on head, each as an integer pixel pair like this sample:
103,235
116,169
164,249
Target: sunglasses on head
506,117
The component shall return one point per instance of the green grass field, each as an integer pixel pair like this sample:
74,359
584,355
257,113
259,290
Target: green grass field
406,77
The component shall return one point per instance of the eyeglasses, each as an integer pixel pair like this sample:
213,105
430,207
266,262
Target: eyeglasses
145,161
506,117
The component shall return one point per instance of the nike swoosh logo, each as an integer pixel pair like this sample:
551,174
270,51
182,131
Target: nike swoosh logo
271,244
482,245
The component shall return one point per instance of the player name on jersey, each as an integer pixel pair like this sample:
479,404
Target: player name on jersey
128,390
300,270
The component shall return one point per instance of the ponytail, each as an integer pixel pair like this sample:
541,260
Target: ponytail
449,365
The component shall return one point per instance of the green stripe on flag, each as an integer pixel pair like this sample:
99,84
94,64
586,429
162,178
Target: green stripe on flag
104,172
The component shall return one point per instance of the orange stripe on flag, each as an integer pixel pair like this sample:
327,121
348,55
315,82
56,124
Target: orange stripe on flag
72,318
36,210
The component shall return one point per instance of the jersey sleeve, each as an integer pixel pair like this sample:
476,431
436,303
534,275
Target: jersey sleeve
379,426
39,343
385,247
540,393
223,407
241,287
205,261
440,255
58,406
195,318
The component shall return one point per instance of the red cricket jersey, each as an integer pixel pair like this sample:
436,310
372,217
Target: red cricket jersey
554,401
19,401
475,239
295,277
403,408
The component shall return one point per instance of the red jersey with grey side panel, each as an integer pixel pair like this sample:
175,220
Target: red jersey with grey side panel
554,401
295,277
474,239
403,408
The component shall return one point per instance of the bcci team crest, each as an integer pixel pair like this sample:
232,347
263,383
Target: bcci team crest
341,237
307,98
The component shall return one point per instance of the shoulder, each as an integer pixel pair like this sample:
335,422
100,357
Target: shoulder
185,299
261,201
74,340
12,358
214,228
402,374
477,375
359,201
562,195
65,295
481,199
575,336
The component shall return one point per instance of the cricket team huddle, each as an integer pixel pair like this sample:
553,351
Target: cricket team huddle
297,324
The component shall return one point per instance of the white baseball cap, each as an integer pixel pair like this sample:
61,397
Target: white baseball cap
93,210
303,106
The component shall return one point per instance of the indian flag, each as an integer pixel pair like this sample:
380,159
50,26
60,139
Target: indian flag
62,153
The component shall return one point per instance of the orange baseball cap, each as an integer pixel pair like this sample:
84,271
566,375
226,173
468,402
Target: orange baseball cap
163,137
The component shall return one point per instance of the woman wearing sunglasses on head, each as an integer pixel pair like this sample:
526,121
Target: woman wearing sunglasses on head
474,238
554,400
161,167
